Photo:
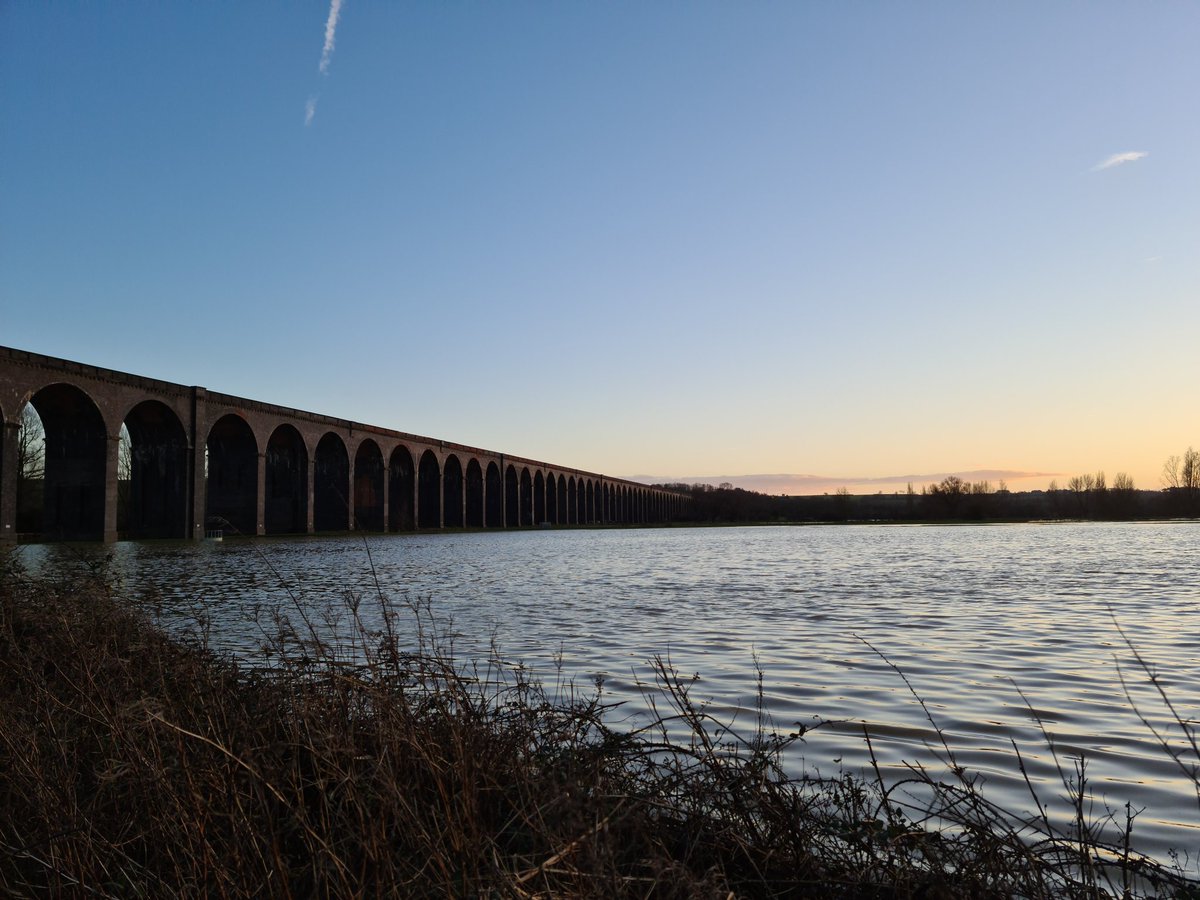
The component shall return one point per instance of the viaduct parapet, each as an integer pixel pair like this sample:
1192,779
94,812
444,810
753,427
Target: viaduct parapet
202,460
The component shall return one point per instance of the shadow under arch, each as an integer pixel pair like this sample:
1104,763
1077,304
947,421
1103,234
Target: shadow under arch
429,492
286,506
551,499
494,495
526,497
401,491
368,486
539,499
452,493
331,484
154,504
512,498
68,501
231,476
474,488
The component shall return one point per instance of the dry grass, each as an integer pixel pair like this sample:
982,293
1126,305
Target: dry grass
134,764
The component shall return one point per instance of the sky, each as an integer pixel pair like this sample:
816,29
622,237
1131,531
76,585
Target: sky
794,246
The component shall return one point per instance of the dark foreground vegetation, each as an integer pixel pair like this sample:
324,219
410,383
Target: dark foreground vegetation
134,764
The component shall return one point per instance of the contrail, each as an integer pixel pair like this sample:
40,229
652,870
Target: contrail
335,10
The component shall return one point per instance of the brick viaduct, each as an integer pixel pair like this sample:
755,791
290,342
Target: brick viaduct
201,458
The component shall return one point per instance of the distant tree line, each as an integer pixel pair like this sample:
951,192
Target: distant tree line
1088,496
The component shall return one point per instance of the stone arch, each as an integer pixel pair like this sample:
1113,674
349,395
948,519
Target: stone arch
69,501
561,508
231,476
512,497
153,503
475,494
589,503
286,503
494,495
368,486
429,491
401,491
526,496
452,492
605,503
572,502
331,484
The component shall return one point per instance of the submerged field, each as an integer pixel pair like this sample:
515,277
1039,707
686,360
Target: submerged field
133,763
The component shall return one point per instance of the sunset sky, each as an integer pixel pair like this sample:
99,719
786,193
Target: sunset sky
865,243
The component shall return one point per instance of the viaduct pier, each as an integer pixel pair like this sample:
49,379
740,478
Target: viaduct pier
199,459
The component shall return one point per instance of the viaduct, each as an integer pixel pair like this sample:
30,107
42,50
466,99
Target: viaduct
199,458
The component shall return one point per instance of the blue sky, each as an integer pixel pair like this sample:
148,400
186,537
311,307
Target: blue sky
855,241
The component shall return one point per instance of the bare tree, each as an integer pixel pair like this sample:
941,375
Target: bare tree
1123,482
1189,470
124,455
31,445
1170,472
1181,478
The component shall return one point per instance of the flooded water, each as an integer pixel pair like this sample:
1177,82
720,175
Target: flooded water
968,614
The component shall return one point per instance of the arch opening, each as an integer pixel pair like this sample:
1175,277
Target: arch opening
61,491
551,499
452,493
152,473
368,487
560,508
494,494
526,497
331,485
286,502
539,500
512,498
401,491
429,492
231,476
475,493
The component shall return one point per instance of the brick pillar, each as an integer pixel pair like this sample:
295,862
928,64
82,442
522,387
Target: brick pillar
197,449
112,455
260,497
387,494
350,493
310,488
9,476
416,495
503,495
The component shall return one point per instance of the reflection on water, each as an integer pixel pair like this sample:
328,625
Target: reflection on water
968,614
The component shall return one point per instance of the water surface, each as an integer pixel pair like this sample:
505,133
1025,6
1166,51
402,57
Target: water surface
968,614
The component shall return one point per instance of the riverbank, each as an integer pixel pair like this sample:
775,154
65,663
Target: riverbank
132,764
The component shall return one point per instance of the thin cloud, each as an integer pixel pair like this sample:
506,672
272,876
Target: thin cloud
1118,159
310,110
335,10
